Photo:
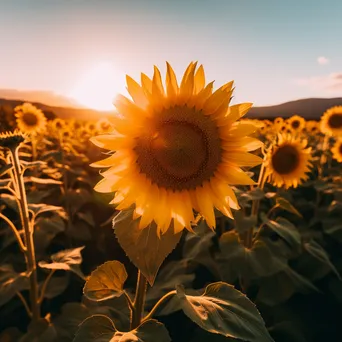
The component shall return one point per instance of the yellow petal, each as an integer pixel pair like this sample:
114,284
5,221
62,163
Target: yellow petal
171,81
242,158
136,92
188,82
157,85
112,142
233,175
146,83
199,79
205,204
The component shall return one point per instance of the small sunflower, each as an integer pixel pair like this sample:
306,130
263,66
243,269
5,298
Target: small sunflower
177,149
337,150
278,123
312,127
30,119
331,121
11,140
104,126
296,123
288,162
59,124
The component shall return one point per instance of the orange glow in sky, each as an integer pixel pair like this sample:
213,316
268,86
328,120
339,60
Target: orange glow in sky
98,87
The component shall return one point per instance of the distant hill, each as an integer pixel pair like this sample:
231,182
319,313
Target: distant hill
310,109
60,112
47,97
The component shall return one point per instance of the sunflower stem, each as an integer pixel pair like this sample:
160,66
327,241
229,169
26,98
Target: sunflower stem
139,301
30,256
248,236
323,158
160,301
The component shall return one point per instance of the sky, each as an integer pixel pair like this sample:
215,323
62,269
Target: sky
275,51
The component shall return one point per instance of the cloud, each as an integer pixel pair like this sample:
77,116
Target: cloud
331,83
323,60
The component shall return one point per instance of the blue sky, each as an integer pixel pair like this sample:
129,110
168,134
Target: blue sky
275,50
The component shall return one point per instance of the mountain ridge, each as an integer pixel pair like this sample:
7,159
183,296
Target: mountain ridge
309,108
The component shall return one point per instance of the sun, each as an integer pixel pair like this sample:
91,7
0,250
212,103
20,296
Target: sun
98,87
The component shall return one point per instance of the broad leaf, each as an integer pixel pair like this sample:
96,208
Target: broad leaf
44,208
224,310
106,281
11,282
235,260
41,180
285,229
41,331
319,253
144,248
68,260
100,328
286,205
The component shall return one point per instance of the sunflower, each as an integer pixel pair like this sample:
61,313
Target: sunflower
337,150
30,119
331,121
296,123
103,125
11,140
177,150
288,161
312,127
278,123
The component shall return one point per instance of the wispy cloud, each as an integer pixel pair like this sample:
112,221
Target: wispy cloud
323,60
330,83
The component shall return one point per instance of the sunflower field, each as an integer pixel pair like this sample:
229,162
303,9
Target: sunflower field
174,219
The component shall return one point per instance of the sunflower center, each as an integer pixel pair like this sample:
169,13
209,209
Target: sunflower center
180,150
335,121
295,124
285,160
30,119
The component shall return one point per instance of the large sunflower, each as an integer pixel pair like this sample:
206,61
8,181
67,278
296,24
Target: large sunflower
337,150
29,118
177,150
331,121
296,123
288,161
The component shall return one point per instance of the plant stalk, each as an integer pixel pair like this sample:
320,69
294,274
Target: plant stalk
139,301
28,235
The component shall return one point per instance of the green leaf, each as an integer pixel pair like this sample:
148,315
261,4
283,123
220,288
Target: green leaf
67,323
10,201
44,181
56,286
100,328
149,331
144,248
286,205
224,310
68,260
319,253
5,168
11,282
235,260
41,331
243,222
106,281
44,208
285,229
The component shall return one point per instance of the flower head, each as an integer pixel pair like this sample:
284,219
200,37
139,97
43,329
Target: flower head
11,140
288,161
177,149
331,121
30,119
